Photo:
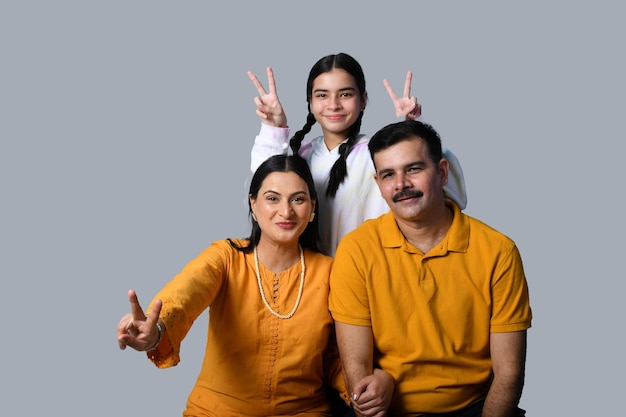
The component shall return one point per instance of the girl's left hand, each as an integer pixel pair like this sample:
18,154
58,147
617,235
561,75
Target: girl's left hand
406,106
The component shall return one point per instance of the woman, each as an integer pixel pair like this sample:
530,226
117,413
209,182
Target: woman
339,160
270,349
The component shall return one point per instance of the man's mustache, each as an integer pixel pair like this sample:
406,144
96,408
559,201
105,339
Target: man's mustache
406,194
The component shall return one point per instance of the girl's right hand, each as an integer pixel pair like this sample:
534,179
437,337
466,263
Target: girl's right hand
268,106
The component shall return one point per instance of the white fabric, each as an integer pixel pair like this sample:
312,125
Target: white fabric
358,197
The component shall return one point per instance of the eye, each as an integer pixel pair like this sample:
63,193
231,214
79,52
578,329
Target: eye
320,95
415,169
347,95
271,198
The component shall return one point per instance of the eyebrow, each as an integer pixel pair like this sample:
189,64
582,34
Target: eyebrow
409,165
292,194
324,90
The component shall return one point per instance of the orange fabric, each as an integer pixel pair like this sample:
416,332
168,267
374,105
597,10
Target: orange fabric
255,364
431,314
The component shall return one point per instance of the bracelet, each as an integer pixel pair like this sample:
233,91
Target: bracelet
160,330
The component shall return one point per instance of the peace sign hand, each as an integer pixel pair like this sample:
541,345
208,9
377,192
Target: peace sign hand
407,106
268,106
135,329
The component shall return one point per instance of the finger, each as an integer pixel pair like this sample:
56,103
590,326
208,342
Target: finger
417,110
121,344
257,83
153,317
135,308
258,101
407,84
270,80
123,324
122,328
390,91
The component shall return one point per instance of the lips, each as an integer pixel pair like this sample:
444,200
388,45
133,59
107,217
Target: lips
286,225
335,117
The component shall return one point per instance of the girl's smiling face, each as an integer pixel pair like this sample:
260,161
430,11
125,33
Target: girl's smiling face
336,104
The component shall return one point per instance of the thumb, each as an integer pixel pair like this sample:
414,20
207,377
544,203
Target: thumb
358,389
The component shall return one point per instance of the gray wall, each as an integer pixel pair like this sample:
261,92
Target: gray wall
125,131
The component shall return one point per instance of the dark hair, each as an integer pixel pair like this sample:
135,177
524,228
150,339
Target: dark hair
343,61
282,163
407,129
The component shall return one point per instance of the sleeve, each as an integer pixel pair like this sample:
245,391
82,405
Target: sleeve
455,188
270,141
184,298
348,300
510,299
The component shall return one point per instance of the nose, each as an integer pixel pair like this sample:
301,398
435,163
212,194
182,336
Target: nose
402,182
334,102
286,209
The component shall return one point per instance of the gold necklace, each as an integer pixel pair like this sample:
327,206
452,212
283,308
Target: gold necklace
258,278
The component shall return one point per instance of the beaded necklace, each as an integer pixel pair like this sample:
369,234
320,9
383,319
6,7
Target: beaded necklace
267,304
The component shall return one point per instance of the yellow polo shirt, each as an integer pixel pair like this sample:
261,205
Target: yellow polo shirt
431,314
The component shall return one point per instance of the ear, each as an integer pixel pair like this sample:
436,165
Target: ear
444,167
252,203
363,101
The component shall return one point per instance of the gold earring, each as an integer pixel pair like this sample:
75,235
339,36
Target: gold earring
254,218
312,217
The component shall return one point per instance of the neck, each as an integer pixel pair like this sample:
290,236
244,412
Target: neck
425,234
332,140
278,257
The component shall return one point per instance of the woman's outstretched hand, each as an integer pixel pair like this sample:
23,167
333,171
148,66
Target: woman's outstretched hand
137,330
406,106
268,106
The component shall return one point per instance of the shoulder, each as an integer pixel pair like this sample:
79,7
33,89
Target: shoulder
483,233
361,144
364,238
307,146
360,152
225,248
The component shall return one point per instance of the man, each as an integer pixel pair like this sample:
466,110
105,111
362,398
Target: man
434,297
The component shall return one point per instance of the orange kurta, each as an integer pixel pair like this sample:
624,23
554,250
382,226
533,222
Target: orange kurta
255,364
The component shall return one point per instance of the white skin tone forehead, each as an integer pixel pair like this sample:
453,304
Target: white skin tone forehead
284,183
333,81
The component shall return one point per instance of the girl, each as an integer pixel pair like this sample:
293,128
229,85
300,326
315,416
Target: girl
339,159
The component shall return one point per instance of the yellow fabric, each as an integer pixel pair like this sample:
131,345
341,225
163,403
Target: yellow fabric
255,363
431,315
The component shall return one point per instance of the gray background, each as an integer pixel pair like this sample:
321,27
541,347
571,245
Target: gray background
125,131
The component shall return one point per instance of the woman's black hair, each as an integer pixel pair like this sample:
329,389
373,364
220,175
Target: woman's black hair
282,163
343,61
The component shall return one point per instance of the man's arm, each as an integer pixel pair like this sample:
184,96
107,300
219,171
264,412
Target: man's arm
356,352
508,356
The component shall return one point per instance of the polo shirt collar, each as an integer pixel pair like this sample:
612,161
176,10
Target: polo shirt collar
455,240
